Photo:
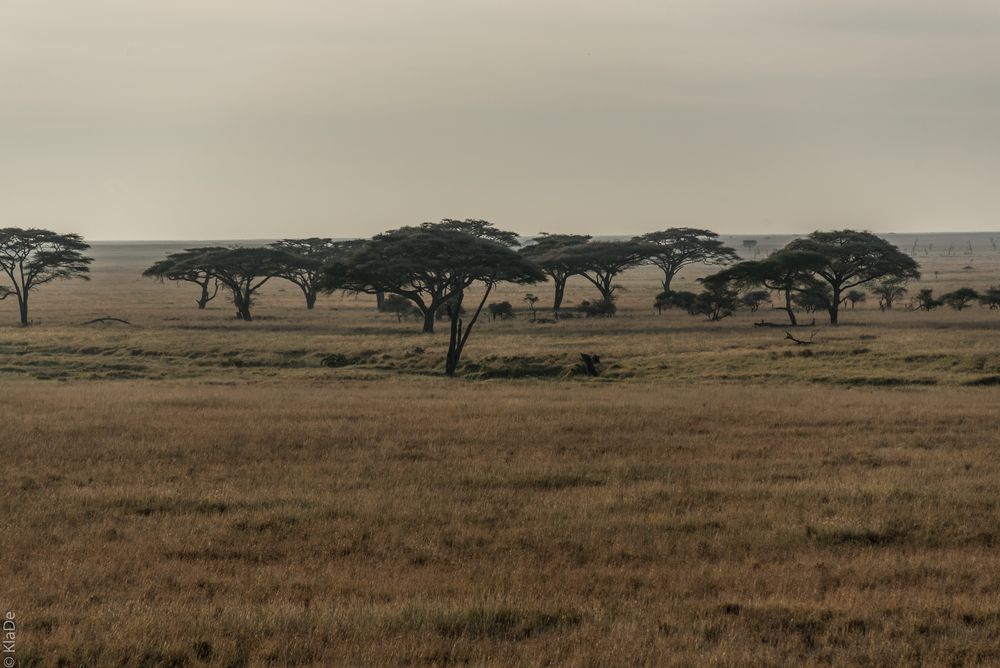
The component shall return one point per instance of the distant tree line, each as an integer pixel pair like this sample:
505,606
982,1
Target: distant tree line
426,271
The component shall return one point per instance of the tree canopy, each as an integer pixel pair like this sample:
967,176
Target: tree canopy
601,262
675,248
852,258
242,270
546,251
33,257
176,267
433,265
306,259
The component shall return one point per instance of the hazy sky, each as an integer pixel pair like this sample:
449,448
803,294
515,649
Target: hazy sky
142,119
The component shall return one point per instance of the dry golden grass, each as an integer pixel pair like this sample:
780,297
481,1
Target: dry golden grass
426,522
194,491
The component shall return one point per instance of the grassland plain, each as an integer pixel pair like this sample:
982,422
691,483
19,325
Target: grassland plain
194,491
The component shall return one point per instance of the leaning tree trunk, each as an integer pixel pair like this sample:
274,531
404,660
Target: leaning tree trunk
788,308
204,299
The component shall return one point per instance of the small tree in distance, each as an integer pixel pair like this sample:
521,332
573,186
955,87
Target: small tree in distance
531,300
399,306
855,296
34,257
888,291
960,298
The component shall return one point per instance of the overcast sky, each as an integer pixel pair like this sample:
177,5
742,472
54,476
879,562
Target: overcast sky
187,119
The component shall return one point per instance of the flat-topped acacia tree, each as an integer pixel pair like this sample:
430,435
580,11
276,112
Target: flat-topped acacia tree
677,247
851,259
545,252
305,260
33,257
601,262
433,266
242,270
787,272
175,267
415,262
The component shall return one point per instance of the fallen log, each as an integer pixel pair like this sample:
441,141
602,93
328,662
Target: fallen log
800,342
107,319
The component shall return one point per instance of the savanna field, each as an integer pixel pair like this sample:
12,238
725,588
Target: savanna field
191,490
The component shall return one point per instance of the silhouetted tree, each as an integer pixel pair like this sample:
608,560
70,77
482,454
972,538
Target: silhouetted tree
888,291
852,259
677,247
242,270
426,264
433,265
925,301
400,306
545,252
305,259
754,299
991,298
531,300
855,297
785,272
960,298
601,262
717,301
174,267
33,257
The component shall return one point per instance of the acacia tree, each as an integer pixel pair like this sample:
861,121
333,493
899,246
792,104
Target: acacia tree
960,298
546,253
888,291
851,259
785,272
33,257
305,260
242,270
414,263
677,247
174,268
433,265
600,262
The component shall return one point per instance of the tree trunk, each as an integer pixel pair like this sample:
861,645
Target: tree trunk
835,306
310,298
242,303
668,277
203,301
788,308
22,304
429,320
379,299
560,291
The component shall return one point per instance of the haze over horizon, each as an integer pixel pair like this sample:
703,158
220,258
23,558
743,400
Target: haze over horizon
247,120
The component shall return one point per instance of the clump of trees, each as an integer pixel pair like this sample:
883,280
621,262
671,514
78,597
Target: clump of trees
33,257
434,265
819,271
